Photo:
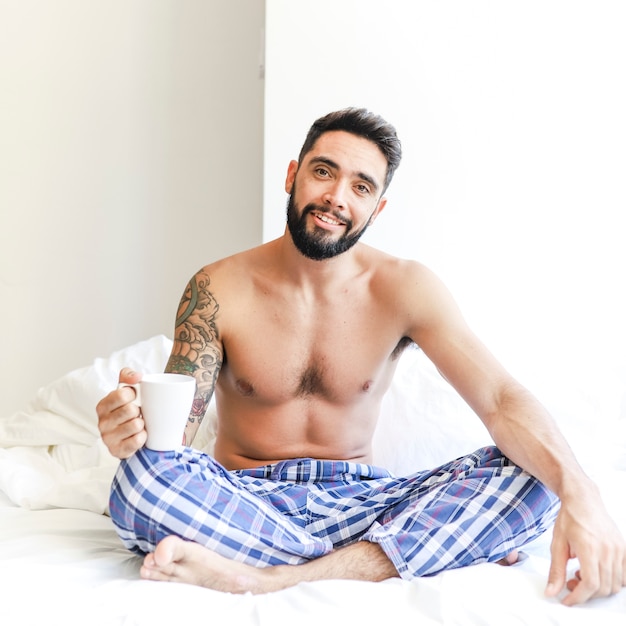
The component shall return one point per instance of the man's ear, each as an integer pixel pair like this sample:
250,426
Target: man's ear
382,203
292,170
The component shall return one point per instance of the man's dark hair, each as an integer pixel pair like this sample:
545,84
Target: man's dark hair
362,123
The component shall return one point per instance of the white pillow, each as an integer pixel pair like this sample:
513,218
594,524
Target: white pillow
52,454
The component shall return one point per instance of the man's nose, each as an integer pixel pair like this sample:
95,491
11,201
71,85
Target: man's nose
335,194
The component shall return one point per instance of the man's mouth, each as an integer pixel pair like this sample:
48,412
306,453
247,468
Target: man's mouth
327,218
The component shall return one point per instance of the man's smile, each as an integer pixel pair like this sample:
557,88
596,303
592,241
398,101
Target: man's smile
327,218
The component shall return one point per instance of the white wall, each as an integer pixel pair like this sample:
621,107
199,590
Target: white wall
512,186
131,146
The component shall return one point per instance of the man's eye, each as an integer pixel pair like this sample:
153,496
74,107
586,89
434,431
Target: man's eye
363,189
321,171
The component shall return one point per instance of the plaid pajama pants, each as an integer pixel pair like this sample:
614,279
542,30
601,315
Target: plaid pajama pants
477,508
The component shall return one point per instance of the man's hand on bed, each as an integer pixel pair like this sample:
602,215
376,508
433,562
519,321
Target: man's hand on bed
585,531
120,422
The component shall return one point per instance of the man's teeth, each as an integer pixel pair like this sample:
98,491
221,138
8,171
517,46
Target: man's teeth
328,219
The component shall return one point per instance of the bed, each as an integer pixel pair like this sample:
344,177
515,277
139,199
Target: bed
62,563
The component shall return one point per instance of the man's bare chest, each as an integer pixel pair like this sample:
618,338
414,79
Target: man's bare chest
280,357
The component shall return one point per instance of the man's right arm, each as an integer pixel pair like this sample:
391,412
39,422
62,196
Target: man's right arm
197,351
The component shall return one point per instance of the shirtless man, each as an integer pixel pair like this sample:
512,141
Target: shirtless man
299,338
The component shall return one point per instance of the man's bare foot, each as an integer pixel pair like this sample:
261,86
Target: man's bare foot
177,560
509,559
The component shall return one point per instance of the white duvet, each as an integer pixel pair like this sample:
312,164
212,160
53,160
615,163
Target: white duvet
61,562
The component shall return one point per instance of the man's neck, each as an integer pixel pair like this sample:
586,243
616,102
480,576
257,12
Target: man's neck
326,274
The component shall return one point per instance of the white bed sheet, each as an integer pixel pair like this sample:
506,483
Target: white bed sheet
62,563
67,566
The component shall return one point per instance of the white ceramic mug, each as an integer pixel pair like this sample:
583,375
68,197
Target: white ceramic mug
165,401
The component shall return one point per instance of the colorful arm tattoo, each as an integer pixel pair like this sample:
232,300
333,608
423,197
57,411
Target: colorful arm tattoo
197,349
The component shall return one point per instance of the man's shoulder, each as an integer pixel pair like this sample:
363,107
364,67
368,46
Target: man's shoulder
228,264
401,280
387,264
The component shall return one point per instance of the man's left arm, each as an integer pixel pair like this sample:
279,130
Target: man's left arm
526,433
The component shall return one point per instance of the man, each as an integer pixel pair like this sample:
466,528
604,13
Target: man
299,338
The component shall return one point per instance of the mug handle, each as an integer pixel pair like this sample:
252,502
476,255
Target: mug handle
137,388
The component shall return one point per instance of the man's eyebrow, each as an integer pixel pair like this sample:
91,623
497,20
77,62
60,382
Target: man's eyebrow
362,175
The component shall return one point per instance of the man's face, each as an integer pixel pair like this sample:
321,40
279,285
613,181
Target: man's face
318,244
337,195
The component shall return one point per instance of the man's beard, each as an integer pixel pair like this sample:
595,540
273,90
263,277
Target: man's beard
318,244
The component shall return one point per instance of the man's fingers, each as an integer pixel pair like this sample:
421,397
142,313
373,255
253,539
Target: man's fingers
582,588
119,418
129,376
573,582
599,547
119,397
560,555
599,576
129,446
620,579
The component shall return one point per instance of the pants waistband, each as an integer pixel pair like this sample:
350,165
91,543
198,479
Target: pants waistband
308,470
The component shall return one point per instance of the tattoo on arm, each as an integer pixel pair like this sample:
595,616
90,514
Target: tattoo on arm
197,349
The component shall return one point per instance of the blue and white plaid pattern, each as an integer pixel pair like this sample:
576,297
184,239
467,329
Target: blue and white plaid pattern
477,508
